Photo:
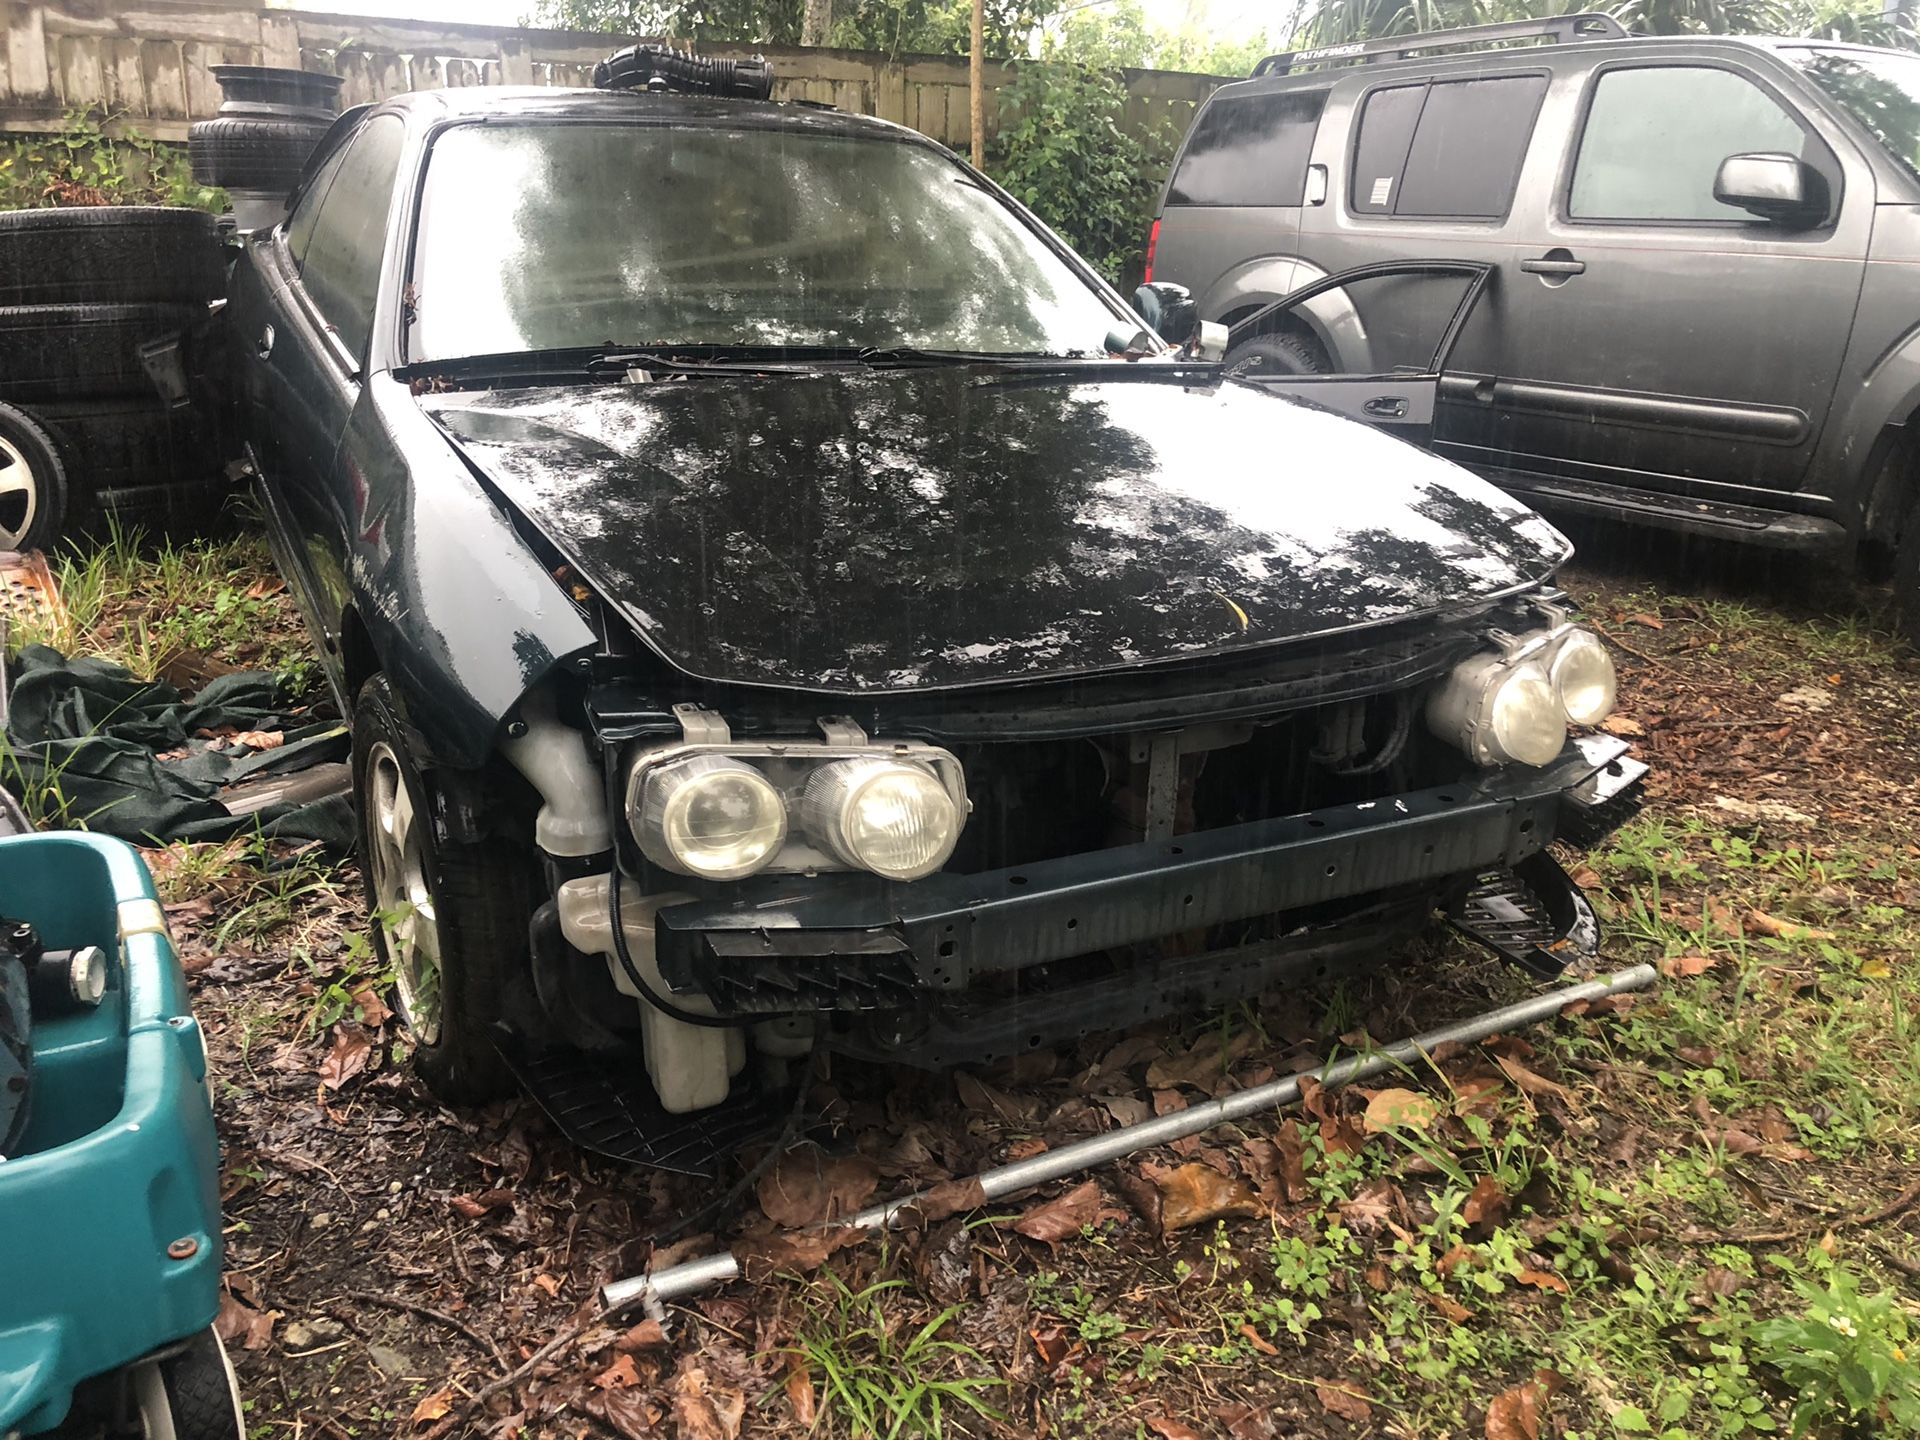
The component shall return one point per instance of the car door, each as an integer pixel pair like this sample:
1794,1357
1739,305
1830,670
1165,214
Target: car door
1397,372
313,347
1653,336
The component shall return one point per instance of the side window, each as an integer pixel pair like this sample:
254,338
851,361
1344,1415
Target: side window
300,223
1655,137
341,266
1249,150
1447,150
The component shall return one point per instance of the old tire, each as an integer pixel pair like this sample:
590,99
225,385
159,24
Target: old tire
450,919
64,352
110,254
133,462
1278,352
252,153
200,1392
33,483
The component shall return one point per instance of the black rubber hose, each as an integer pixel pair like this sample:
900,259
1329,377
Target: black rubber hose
639,66
625,956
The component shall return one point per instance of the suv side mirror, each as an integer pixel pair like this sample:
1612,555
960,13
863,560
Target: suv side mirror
1777,187
1168,309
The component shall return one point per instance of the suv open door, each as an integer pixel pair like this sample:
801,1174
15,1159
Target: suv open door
1365,383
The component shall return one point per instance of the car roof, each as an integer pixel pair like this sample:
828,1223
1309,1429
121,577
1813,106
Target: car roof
559,102
1439,60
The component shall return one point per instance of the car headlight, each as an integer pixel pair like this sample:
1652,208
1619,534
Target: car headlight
1583,678
1499,712
888,816
710,816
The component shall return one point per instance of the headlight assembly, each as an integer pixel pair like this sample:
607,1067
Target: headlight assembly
892,818
708,815
721,809
1514,706
1583,677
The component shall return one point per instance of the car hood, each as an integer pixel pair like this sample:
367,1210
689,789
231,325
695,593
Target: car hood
867,531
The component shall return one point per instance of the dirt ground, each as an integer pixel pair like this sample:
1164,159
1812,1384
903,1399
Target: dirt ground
1612,1225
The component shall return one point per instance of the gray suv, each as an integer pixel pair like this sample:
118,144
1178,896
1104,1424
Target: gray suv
1704,261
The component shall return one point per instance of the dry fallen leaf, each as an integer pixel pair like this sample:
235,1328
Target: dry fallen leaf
806,1187
1170,1429
800,1390
620,1375
1486,1204
791,1252
1678,967
703,1410
1760,923
373,1010
1623,725
1258,1341
347,1057
1050,1344
647,1335
1542,1280
1520,1413
1065,1216
432,1407
1197,1193
949,1198
1347,1404
1453,1310
1533,1084
242,1324
1397,1109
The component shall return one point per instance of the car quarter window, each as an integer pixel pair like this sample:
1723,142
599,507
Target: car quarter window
1655,137
341,266
1249,150
1449,149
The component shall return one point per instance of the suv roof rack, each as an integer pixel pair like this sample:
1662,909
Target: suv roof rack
1561,29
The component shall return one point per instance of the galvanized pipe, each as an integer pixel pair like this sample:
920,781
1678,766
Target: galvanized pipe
694,1276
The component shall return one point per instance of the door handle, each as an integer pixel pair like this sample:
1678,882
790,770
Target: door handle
1387,407
1561,264
265,347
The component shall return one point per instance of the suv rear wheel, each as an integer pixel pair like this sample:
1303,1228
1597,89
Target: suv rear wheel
1278,352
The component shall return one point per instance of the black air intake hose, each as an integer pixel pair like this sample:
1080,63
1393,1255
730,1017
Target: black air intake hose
650,67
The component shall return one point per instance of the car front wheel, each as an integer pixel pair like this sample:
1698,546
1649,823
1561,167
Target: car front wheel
450,919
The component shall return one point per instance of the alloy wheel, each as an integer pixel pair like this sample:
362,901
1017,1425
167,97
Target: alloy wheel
403,901
19,495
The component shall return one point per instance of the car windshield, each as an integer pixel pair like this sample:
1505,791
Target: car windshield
1878,88
544,236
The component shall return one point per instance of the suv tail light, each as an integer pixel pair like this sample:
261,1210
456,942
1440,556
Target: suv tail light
1153,244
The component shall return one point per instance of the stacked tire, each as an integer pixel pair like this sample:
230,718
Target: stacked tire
270,120
84,432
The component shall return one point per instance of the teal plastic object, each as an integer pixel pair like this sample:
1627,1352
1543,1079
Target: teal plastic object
110,1210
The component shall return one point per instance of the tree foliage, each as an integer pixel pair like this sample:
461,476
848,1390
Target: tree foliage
897,27
1335,22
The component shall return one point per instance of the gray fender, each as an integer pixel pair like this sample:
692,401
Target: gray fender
460,612
1331,317
1857,429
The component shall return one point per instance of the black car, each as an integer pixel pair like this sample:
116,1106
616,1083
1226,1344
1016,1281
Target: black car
745,519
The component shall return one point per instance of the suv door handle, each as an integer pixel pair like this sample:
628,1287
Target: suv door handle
1387,407
265,347
1561,264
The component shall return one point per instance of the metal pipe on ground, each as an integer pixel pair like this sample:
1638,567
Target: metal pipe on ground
694,1276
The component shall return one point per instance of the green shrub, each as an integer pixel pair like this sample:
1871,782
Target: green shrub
83,165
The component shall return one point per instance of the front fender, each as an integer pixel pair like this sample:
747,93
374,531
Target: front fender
1859,431
1332,318
461,613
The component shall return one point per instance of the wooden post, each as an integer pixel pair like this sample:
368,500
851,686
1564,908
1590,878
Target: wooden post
977,85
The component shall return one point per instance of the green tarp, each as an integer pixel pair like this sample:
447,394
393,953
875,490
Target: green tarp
95,733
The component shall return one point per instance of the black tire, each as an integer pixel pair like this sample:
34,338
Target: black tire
252,153
135,462
482,907
33,483
110,254
66,352
201,1391
1278,352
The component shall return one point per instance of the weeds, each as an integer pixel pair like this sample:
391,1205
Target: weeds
82,164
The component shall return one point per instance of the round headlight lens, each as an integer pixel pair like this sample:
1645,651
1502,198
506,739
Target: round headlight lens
1524,718
1583,678
710,816
887,816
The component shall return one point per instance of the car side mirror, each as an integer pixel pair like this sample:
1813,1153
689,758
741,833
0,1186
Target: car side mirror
1168,309
1777,187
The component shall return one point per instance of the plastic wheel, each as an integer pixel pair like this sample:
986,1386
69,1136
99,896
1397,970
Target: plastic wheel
451,920
33,483
192,1394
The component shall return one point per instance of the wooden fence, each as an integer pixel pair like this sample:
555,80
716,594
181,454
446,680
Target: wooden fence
148,64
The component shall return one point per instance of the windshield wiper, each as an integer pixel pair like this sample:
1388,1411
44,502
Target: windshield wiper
571,362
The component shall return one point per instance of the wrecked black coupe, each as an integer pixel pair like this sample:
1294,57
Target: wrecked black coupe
785,600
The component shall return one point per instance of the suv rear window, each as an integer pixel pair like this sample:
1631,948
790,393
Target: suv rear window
1249,150
1445,150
